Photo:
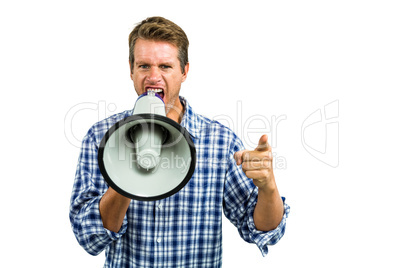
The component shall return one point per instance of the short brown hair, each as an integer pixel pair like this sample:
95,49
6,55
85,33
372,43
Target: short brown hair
160,29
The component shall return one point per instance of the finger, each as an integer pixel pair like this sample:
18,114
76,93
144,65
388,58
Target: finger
257,174
256,155
263,144
238,156
256,165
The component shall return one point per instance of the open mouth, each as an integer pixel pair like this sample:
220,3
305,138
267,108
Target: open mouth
159,91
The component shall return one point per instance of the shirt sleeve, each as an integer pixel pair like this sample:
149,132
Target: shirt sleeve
89,187
239,200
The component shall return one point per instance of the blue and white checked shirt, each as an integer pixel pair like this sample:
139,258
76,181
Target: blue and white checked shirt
183,230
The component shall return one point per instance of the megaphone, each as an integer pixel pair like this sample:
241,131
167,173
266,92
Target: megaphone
147,156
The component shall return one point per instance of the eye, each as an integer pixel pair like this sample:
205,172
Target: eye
143,66
164,66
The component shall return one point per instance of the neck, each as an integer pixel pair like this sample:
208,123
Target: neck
176,111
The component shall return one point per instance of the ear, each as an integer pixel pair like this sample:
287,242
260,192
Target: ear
131,70
186,68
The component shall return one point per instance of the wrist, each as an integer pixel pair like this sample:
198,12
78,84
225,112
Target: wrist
269,186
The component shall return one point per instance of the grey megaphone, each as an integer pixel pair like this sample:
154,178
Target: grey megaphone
147,156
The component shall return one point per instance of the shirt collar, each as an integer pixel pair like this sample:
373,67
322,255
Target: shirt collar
189,120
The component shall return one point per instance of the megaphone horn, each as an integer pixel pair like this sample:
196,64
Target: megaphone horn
138,156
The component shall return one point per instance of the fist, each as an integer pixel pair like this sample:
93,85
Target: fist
257,164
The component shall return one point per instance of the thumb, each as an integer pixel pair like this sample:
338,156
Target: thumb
263,144
238,156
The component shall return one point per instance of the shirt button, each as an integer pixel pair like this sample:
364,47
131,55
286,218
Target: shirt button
158,240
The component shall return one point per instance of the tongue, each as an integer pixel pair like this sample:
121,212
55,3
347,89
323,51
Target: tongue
159,94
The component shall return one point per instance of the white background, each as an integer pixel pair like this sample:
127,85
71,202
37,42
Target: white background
64,66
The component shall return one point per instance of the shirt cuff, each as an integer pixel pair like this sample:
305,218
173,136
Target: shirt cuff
263,239
93,224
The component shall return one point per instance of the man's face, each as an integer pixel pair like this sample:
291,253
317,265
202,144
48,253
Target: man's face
157,67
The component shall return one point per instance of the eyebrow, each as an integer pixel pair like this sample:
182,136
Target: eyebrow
140,63
137,63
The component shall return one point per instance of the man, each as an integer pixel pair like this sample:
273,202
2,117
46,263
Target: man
185,229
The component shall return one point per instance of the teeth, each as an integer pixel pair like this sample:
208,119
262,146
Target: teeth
156,90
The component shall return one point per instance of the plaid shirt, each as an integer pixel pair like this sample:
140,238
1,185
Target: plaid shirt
183,230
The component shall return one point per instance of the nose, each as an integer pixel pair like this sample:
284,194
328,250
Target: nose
154,75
